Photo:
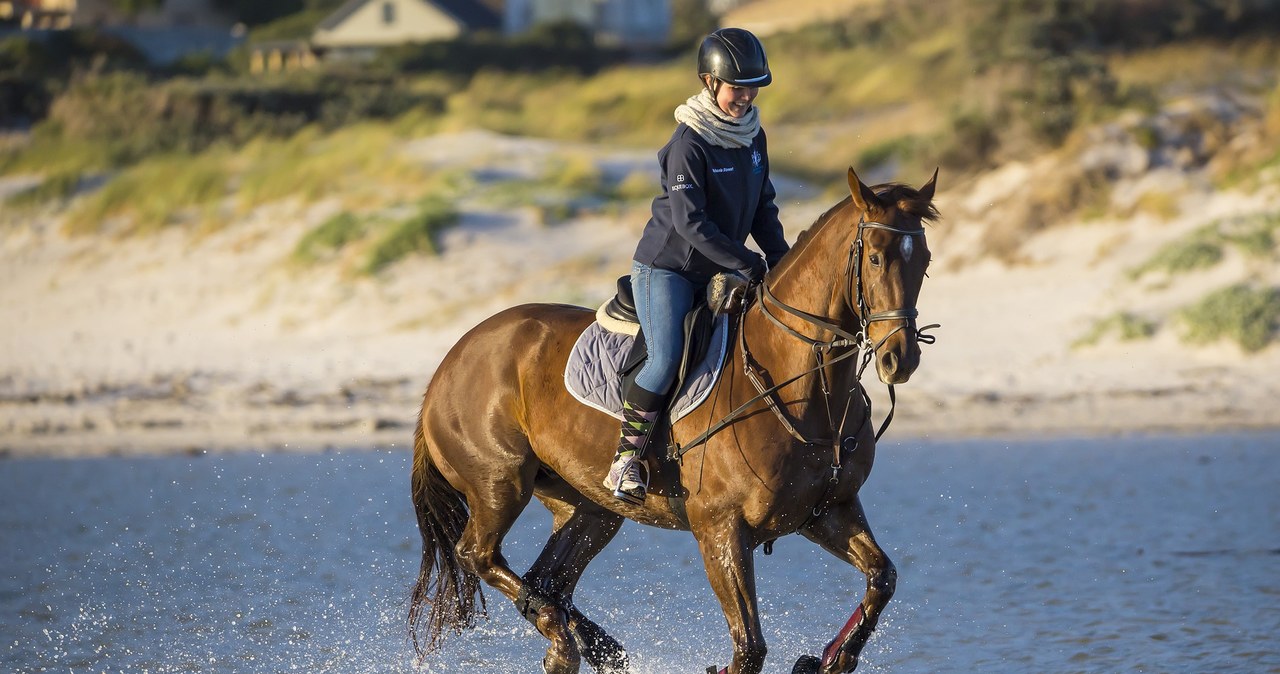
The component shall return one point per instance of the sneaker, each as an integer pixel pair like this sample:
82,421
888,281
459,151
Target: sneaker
628,478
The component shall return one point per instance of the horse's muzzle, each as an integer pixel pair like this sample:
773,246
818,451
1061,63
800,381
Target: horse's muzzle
898,359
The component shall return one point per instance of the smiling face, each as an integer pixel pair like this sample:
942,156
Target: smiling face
733,100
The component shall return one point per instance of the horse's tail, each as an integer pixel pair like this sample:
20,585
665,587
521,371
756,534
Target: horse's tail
449,591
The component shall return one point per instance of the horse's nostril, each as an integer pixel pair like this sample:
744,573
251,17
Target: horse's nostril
888,362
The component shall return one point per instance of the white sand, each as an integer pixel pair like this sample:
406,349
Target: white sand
184,343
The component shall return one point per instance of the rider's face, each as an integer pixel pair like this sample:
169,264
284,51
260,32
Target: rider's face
736,101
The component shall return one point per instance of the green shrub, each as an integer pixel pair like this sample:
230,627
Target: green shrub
548,46
970,141
1199,250
884,151
329,237
417,234
1125,325
154,194
555,213
577,175
1254,235
116,119
1246,315
55,187
637,185
359,161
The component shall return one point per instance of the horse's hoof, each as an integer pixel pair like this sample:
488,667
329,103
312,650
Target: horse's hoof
807,664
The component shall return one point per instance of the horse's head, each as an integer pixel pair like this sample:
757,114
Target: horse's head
889,256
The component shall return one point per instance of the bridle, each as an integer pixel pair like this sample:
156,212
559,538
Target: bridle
852,343
858,305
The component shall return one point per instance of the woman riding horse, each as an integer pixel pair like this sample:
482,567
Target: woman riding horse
715,191
498,427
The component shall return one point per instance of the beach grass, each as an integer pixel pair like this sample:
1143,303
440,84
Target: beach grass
1123,325
417,234
1245,314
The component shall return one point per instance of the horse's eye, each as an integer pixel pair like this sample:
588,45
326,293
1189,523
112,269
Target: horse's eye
874,258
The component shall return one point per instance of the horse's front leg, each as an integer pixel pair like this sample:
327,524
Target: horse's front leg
727,555
844,532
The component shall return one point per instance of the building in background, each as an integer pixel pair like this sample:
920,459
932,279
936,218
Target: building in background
171,31
371,24
38,14
359,28
626,23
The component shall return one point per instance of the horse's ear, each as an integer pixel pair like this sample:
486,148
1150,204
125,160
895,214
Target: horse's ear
863,197
928,189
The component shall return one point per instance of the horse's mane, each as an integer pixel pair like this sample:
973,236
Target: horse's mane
907,198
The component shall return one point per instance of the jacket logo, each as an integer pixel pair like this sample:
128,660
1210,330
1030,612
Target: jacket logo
680,178
756,162
727,169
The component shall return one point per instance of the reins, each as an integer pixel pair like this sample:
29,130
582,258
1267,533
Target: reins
856,343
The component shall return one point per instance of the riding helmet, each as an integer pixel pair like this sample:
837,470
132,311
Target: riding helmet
735,56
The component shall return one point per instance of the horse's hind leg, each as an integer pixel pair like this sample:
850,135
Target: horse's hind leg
581,530
844,532
495,502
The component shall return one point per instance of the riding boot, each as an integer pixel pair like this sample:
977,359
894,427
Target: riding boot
629,476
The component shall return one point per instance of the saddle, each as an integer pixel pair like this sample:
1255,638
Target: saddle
725,295
608,354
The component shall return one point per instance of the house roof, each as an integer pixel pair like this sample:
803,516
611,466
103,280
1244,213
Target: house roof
468,12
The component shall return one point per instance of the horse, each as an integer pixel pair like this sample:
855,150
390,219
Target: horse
792,447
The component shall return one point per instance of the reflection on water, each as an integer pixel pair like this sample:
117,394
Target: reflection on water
1105,555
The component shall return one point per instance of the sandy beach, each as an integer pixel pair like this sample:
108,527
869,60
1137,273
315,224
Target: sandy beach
187,342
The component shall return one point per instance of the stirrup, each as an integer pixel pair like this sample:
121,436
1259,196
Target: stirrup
643,483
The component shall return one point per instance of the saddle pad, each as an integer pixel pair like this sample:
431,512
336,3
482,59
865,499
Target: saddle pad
592,372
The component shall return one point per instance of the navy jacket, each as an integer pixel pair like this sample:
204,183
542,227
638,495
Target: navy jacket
712,198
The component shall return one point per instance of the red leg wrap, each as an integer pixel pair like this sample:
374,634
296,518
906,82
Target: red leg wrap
833,649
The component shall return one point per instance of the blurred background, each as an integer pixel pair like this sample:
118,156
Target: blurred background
261,224
235,229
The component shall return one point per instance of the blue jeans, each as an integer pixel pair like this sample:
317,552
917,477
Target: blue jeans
662,300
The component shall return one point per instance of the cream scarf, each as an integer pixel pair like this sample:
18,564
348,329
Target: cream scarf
701,114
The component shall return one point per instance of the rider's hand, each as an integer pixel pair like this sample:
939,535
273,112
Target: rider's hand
756,270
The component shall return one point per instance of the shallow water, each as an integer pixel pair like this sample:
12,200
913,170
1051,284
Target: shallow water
1145,554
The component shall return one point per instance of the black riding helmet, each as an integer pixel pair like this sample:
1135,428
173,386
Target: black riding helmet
735,56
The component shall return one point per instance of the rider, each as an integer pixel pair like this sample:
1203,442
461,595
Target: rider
715,191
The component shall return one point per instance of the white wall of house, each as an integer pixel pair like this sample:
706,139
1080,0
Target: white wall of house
390,22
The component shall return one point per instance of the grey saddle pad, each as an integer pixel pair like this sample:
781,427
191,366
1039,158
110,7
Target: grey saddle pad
592,372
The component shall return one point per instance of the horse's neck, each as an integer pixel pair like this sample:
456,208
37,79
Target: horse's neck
815,282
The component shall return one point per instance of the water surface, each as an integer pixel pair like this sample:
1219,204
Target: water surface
1143,554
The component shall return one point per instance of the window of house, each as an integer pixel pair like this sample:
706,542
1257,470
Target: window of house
388,12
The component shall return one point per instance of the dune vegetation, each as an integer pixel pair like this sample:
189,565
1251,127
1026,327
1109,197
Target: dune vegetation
897,87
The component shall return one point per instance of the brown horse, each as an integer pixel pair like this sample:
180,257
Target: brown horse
497,426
